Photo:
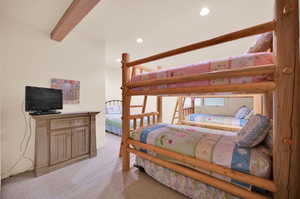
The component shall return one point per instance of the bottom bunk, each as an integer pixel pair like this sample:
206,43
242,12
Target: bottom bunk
215,146
183,184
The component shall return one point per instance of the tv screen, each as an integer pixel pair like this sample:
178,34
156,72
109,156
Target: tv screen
43,99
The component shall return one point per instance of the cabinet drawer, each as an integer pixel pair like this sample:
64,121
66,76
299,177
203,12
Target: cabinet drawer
81,121
60,123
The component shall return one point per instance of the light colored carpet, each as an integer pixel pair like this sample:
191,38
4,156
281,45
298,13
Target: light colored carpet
97,178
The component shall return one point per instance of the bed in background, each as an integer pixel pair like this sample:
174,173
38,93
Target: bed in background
113,114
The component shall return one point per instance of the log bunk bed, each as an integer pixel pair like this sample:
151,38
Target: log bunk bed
281,90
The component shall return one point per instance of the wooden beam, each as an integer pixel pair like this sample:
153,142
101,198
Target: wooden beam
287,101
223,127
235,72
142,115
256,87
73,15
125,114
261,28
159,108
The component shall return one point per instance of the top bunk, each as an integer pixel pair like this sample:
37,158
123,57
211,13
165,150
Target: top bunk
248,73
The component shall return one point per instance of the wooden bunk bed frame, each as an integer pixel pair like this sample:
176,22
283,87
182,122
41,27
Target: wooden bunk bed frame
284,89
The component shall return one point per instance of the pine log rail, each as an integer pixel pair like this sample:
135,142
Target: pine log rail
143,115
238,72
220,184
257,87
212,126
208,166
258,29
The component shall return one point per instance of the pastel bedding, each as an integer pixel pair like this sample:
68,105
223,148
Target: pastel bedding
113,123
214,146
216,119
254,59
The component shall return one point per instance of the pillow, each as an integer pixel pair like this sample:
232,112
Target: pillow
263,43
242,112
113,110
254,132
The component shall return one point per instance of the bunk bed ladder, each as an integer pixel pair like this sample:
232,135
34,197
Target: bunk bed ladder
133,73
177,111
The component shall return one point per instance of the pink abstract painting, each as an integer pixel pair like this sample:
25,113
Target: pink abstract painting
71,90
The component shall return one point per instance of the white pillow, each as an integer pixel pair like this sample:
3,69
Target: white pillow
242,112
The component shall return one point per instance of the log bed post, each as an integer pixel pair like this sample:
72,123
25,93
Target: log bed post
268,104
159,108
286,110
125,113
180,109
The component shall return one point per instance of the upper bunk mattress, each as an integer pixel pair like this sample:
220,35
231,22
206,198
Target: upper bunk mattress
254,59
215,146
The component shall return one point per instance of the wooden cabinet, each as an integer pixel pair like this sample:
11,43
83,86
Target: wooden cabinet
63,139
60,146
80,141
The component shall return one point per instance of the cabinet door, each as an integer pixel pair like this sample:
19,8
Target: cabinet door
80,141
60,146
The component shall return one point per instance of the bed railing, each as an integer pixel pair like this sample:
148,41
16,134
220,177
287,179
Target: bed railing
262,28
143,120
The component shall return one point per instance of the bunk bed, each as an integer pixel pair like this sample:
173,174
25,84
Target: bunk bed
165,151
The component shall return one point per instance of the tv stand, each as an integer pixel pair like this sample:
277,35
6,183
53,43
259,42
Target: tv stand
62,139
45,112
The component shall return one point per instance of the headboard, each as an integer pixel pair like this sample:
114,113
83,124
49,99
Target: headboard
113,107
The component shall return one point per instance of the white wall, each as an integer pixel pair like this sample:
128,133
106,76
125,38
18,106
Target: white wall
113,82
29,57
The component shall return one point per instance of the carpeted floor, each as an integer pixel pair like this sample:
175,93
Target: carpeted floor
97,178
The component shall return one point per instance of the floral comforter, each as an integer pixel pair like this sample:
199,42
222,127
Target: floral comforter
253,59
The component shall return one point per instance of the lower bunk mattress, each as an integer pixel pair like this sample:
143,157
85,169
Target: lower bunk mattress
217,119
253,59
211,145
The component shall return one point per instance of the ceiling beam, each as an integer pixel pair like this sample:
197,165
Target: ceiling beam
73,15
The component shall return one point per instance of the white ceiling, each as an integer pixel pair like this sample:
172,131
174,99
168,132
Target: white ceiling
163,24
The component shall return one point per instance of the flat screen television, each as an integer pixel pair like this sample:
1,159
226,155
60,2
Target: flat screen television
43,100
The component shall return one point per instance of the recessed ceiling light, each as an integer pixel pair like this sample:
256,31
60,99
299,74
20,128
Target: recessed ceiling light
118,60
204,11
139,40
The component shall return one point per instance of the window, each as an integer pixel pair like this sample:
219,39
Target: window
198,102
214,102
187,102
